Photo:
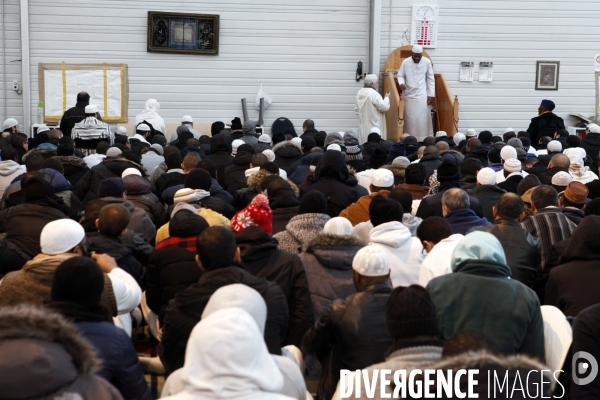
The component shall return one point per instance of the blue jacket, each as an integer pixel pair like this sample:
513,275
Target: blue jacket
464,219
120,365
56,179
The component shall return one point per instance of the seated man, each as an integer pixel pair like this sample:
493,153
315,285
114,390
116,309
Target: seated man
438,240
219,258
455,206
382,181
478,284
351,334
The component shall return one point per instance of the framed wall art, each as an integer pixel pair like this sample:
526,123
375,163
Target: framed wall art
546,77
183,33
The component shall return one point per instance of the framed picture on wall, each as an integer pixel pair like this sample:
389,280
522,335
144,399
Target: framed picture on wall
183,33
546,77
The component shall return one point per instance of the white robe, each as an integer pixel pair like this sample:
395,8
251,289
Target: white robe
371,108
420,84
150,114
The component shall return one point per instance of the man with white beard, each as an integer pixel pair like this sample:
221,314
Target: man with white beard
371,108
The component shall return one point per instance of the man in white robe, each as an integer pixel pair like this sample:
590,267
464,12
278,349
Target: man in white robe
371,108
418,89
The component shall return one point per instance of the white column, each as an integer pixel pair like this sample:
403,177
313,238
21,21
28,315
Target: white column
25,67
374,37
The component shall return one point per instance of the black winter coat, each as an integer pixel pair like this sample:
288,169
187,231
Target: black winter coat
432,205
544,125
286,154
573,285
87,187
511,184
220,155
586,335
431,162
104,244
261,258
169,179
74,168
185,310
139,193
480,153
350,334
235,179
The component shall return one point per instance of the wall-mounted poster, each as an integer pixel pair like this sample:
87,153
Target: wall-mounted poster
546,77
183,33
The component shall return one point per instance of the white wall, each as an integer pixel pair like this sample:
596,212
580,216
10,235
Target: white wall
9,61
514,35
304,53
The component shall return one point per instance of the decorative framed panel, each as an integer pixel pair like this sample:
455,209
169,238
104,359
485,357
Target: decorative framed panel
183,33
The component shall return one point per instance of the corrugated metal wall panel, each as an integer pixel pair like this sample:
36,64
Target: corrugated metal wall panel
10,61
304,54
513,35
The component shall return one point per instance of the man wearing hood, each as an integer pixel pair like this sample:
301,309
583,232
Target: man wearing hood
249,130
371,108
9,168
591,144
286,154
219,258
283,202
151,116
235,178
220,155
546,123
479,283
262,258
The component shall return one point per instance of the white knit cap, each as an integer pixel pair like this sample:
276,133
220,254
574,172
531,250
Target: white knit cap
131,171
486,176
121,130
371,261
554,145
512,165
91,109
338,226
508,152
187,118
270,155
562,178
143,128
235,144
508,130
440,134
60,236
458,137
472,133
113,152
401,161
417,49
297,141
376,130
371,78
594,128
43,128
334,146
264,138
9,123
383,178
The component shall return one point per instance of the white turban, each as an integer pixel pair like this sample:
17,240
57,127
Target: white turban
417,49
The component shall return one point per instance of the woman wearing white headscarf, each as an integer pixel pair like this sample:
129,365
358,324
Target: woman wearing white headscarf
150,114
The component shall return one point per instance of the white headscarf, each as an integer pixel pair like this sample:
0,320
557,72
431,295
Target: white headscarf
150,114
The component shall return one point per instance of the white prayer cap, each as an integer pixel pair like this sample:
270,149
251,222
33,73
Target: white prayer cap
371,261
334,146
508,152
297,141
441,134
458,137
143,128
121,130
486,176
417,49
235,144
512,165
131,171
509,130
376,130
113,152
562,178
264,138
270,155
91,109
42,128
472,133
371,78
592,127
554,145
338,226
60,236
9,123
187,118
383,178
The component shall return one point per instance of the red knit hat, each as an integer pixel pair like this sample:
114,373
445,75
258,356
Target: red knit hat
257,213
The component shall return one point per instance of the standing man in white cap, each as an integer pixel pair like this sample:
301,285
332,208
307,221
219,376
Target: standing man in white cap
371,108
418,89
9,127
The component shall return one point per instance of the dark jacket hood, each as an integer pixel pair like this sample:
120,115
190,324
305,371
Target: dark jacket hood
333,166
219,143
585,242
117,165
136,185
286,149
72,160
281,195
243,158
254,242
308,157
56,179
592,138
183,224
334,251
107,244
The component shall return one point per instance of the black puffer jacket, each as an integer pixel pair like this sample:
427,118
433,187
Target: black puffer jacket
591,145
87,187
104,244
327,260
185,310
350,334
480,153
335,182
235,179
283,202
430,162
74,168
220,155
172,267
523,251
573,285
286,154
262,259
544,125
139,193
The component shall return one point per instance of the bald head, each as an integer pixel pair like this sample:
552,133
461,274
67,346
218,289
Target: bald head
559,160
431,150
